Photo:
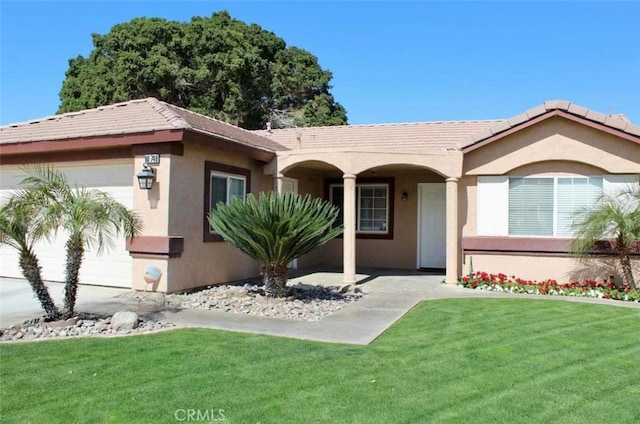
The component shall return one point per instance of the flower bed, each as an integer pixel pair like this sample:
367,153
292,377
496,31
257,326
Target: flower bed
588,288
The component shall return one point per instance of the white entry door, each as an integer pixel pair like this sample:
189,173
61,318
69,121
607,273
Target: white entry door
432,241
290,185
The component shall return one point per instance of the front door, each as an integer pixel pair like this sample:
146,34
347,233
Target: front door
432,226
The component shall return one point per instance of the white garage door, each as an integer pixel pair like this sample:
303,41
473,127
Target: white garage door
113,268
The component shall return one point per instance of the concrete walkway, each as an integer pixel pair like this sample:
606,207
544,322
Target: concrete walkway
388,298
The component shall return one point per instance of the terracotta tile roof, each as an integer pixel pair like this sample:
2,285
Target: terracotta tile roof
134,116
436,135
618,122
420,136
122,118
207,125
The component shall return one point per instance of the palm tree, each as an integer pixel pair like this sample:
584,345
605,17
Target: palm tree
274,230
616,219
91,218
20,230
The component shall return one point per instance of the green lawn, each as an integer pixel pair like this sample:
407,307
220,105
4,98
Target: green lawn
457,361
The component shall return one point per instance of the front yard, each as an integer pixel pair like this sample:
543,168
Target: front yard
461,360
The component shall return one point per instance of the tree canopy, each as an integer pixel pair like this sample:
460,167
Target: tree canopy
218,66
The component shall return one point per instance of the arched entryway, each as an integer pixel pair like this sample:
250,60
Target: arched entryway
386,212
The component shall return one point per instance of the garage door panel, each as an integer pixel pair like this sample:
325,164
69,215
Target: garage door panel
113,267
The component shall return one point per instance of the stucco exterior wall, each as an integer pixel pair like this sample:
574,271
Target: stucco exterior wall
555,139
359,161
563,269
153,205
179,213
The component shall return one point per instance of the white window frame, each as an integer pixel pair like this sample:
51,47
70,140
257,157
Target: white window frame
228,177
387,189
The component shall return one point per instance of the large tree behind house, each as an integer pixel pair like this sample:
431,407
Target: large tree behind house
218,66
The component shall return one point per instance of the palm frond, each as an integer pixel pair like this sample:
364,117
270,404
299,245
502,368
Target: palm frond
90,216
20,227
615,219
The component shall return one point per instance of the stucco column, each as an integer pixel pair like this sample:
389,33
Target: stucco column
453,239
277,183
349,235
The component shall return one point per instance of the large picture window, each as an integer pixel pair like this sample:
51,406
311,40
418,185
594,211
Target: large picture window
374,207
548,206
222,184
535,214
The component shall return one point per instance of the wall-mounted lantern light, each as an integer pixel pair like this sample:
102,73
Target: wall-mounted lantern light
404,196
147,176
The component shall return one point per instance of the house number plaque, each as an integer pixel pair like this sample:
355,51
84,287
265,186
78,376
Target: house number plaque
152,159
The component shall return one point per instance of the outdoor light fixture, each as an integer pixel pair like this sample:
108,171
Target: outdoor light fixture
405,196
147,176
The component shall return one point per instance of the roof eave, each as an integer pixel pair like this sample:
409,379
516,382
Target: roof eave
92,142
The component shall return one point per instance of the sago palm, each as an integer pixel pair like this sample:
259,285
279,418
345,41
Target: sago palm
91,218
274,230
20,229
616,219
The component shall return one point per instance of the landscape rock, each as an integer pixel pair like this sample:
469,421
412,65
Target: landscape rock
57,324
99,326
124,320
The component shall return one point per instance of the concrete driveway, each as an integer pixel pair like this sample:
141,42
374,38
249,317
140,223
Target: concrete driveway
18,303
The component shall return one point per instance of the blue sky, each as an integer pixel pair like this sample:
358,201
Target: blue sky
391,61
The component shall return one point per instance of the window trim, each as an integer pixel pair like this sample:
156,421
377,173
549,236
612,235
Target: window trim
219,169
390,183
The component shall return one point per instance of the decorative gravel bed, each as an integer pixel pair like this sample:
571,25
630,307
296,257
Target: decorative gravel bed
304,302
82,325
